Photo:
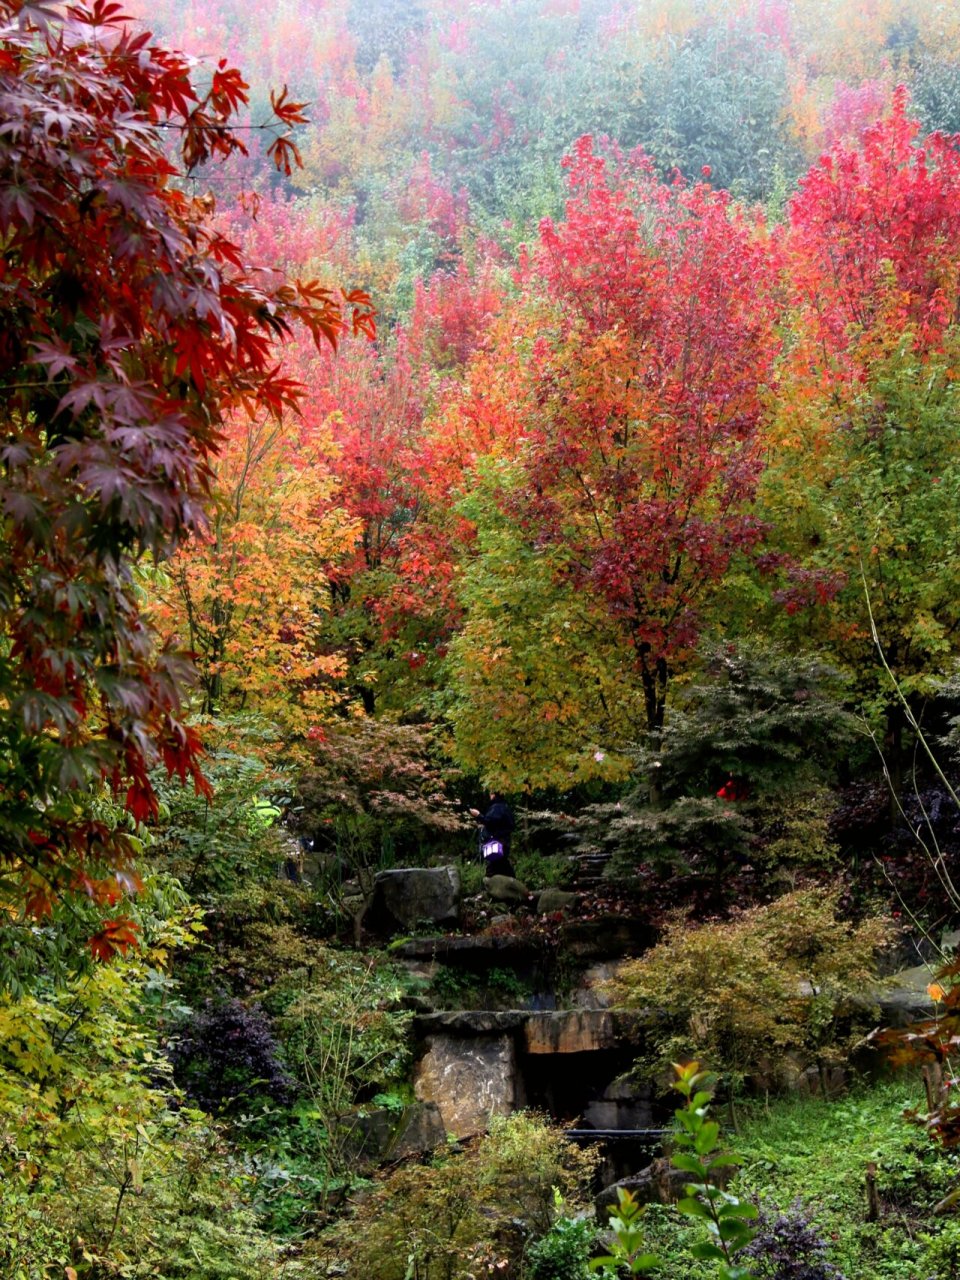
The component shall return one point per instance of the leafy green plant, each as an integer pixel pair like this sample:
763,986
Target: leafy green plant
215,844
698,1152
627,1251
103,1166
770,723
563,1253
345,1036
466,989
541,871
467,1211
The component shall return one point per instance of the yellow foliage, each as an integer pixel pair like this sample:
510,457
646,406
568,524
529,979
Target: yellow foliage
247,598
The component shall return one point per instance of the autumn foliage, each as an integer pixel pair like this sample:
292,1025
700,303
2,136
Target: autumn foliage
130,330
645,410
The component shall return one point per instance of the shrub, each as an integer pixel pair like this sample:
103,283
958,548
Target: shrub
772,724
783,979
226,1055
563,1253
787,1246
467,1211
103,1169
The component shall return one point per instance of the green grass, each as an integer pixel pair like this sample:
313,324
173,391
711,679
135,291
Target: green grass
814,1151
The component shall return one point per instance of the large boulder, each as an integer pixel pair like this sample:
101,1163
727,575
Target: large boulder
625,1103
469,1080
505,889
573,1031
581,1030
551,901
659,1183
904,997
404,898
607,938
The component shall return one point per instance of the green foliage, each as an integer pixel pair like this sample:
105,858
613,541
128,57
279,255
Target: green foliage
878,507
627,1251
494,988
541,690
343,1031
373,793
775,986
215,844
720,101
774,724
698,1152
796,834
102,1167
819,1151
693,825
556,77
563,1253
803,1148
936,92
541,871
459,1213
344,1036
773,721
262,935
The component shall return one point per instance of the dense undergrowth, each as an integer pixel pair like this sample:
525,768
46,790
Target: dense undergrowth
810,1157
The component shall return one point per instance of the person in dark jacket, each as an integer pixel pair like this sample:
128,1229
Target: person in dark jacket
496,828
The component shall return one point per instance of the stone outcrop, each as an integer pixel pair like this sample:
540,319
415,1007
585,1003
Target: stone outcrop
474,952
904,997
376,1136
407,897
624,1104
657,1184
470,1022
606,938
576,1031
593,988
582,1030
469,1079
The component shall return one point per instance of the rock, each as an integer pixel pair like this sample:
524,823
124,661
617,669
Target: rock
659,1183
577,1031
505,889
606,1114
590,992
381,1135
950,940
626,1104
469,1080
580,1031
552,900
406,897
470,1022
904,999
474,953
607,937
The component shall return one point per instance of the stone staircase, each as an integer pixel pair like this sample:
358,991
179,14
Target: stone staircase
588,869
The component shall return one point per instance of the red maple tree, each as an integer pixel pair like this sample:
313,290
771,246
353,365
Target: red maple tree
129,329
644,402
